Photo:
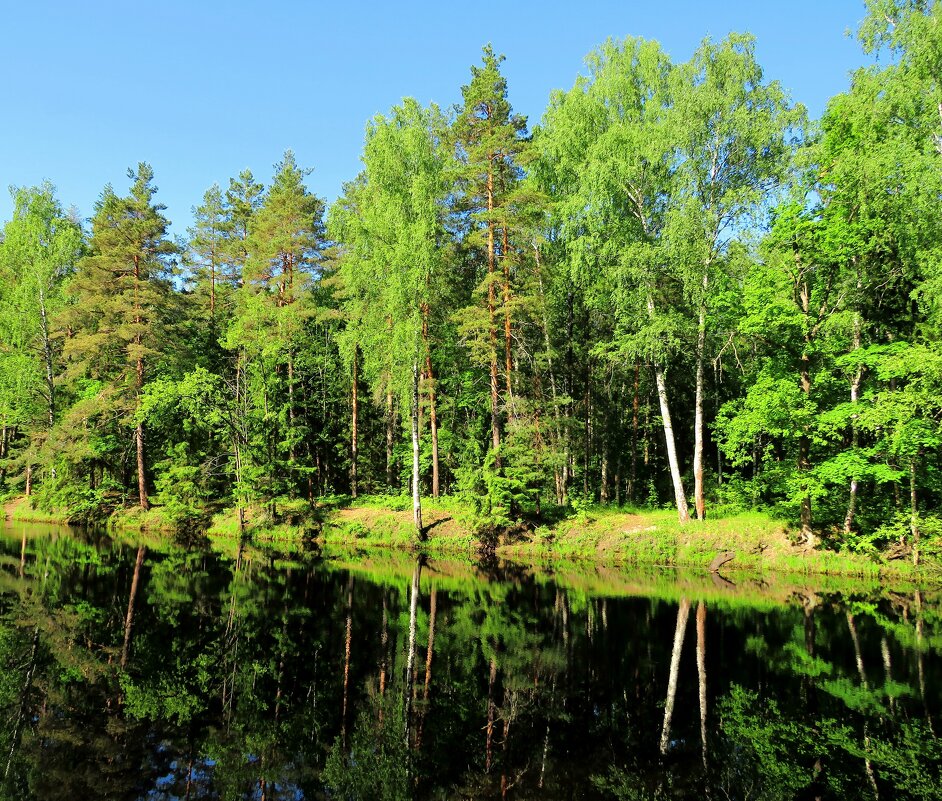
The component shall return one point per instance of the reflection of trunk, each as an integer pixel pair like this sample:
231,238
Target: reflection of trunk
410,661
491,710
23,555
868,767
701,675
430,652
384,658
920,665
129,618
507,713
346,662
416,494
682,613
281,667
189,775
232,643
24,703
887,668
546,740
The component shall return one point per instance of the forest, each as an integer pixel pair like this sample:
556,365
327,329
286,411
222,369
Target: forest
675,289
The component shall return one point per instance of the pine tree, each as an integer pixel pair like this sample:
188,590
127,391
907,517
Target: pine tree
283,250
121,297
490,139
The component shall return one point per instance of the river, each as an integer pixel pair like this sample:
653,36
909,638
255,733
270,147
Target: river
159,670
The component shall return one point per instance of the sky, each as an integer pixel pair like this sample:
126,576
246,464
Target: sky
202,89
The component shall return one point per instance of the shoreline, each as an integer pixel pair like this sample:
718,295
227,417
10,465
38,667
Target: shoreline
600,537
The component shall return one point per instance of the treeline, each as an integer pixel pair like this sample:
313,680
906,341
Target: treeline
675,289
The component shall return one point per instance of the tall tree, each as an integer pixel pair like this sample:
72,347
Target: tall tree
490,139
734,138
38,251
391,225
608,153
283,250
207,244
121,296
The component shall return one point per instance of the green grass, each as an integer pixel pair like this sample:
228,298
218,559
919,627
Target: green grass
22,511
593,535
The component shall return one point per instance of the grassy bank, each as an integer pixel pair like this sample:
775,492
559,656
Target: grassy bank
611,537
601,536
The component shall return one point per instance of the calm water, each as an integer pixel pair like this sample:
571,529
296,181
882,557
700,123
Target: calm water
170,671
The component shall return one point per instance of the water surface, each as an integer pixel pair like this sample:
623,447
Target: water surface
160,671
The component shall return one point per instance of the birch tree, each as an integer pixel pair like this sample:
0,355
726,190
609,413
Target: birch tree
391,221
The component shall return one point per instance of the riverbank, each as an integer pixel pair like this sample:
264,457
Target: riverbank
602,536
613,537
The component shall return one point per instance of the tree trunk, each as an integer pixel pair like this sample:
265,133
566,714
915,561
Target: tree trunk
680,498
855,436
508,350
914,510
632,485
804,441
141,480
390,437
433,416
804,461
416,490
47,359
683,611
698,416
492,324
291,411
353,429
558,475
237,440
139,388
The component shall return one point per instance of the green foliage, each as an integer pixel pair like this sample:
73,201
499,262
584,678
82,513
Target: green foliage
374,763
675,280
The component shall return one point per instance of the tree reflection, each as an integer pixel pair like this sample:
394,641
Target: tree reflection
183,673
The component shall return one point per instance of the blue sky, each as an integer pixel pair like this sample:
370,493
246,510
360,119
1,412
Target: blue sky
203,90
